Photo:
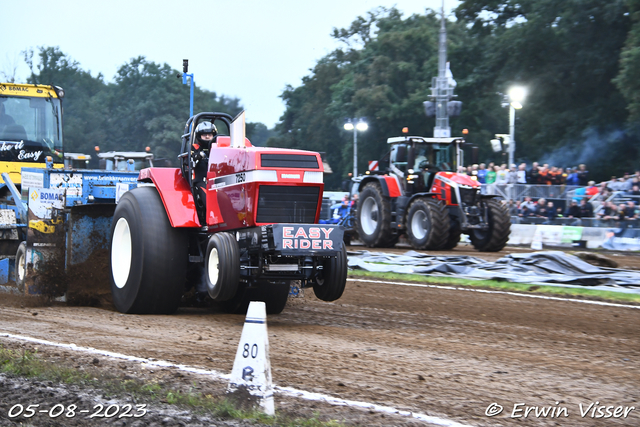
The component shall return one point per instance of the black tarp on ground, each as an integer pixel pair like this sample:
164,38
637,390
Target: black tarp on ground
538,267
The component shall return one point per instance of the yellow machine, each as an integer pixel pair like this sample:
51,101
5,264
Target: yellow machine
30,128
45,226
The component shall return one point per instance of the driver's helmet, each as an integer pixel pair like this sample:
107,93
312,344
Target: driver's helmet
206,128
424,164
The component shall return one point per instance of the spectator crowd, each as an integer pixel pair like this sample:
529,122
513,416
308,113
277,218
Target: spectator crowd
589,200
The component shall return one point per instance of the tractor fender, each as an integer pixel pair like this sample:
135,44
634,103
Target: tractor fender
389,185
429,195
403,204
175,194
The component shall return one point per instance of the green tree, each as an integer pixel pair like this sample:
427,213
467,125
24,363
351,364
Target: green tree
85,115
566,53
146,106
383,74
306,123
628,81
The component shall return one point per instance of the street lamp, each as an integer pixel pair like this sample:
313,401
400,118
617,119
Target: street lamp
514,98
360,125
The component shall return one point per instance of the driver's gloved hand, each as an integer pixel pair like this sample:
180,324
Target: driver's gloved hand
199,155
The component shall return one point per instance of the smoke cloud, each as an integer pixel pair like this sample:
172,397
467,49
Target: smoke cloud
588,151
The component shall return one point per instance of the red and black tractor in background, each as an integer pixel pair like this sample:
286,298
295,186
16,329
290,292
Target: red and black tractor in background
417,192
254,233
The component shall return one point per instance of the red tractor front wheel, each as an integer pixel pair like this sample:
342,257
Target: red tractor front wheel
333,278
222,266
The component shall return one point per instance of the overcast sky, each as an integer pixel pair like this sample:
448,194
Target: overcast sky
246,49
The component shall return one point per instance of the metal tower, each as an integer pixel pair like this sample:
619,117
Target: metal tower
441,89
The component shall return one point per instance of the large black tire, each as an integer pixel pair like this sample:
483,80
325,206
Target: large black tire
427,224
454,234
21,266
495,238
274,295
222,266
148,257
330,285
373,218
390,243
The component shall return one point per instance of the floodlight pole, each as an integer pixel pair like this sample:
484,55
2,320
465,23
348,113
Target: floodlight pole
512,131
355,152
355,125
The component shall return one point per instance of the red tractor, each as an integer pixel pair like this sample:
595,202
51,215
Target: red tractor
246,228
418,194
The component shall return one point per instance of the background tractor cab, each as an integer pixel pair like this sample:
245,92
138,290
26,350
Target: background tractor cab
77,161
30,128
418,159
125,160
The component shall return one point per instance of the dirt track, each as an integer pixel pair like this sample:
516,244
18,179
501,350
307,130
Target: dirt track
446,353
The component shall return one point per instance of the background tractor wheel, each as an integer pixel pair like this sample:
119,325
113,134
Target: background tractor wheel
330,285
390,243
373,217
222,266
21,266
148,258
427,224
454,234
495,238
274,295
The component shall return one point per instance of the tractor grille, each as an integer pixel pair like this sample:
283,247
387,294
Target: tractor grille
300,161
468,196
287,204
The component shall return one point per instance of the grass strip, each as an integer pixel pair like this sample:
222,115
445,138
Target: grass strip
529,288
28,364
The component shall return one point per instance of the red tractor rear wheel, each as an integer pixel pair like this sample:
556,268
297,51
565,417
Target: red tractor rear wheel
148,257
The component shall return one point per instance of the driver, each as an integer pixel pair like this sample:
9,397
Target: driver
426,169
205,132
5,119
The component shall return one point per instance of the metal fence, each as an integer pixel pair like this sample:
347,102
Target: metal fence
564,193
520,191
578,222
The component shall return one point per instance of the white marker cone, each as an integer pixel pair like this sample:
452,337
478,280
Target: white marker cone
251,374
536,243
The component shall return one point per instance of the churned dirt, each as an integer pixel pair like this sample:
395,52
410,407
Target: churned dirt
452,354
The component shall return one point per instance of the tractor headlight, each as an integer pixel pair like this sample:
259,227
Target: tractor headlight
314,177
